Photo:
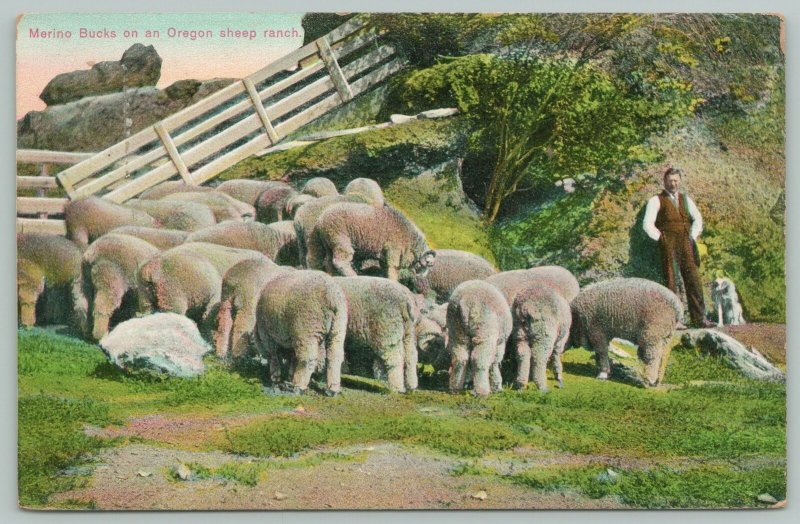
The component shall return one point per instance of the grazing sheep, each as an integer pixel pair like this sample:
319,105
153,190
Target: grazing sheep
726,302
452,268
161,238
365,189
184,216
223,206
271,204
244,235
110,266
431,331
633,309
286,253
351,232
380,319
187,279
90,218
294,203
302,315
542,320
248,191
171,187
478,324
235,321
512,282
319,187
49,272
306,217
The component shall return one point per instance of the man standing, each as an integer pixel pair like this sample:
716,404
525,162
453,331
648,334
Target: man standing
673,220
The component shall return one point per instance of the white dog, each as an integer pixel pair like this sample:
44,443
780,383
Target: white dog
726,301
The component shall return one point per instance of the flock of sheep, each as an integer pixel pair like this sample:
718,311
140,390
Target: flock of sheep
233,259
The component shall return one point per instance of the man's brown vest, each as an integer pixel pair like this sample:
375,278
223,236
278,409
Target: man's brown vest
671,220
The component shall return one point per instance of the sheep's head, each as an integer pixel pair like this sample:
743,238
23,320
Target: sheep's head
423,264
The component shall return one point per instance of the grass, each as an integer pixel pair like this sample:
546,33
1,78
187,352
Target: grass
713,416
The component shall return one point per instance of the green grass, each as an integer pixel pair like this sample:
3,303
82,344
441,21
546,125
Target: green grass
663,487
713,416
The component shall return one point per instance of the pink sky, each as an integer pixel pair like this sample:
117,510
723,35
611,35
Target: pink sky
39,60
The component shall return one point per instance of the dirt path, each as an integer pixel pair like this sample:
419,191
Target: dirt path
383,476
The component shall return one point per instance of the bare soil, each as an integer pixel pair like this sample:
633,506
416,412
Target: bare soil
769,339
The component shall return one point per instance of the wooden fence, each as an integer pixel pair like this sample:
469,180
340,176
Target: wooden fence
204,139
35,213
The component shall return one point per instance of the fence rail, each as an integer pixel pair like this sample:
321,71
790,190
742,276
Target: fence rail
202,140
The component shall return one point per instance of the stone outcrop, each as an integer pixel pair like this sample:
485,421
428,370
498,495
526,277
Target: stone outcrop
140,66
747,361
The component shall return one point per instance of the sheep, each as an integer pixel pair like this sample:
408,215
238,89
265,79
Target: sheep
319,187
171,187
633,309
92,217
452,268
183,216
347,232
365,189
512,282
478,324
248,191
271,204
542,320
223,206
295,203
431,333
235,322
49,270
187,279
303,313
244,235
381,317
286,253
110,266
161,238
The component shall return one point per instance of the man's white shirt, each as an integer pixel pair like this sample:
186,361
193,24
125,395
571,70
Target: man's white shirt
654,206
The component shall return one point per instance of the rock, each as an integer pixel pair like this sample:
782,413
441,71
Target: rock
438,113
280,496
96,122
183,472
161,343
750,364
143,473
481,495
140,66
767,498
401,119
608,476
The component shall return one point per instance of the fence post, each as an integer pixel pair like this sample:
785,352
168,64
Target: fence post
335,72
172,151
44,170
259,107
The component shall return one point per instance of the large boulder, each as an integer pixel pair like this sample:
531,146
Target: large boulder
160,343
140,66
747,361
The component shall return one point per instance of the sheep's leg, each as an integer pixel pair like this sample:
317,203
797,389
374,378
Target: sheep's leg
539,365
222,332
393,360
410,356
558,350
30,285
244,323
523,359
651,355
306,353
269,349
599,343
391,263
334,353
459,359
481,359
379,369
342,257
495,377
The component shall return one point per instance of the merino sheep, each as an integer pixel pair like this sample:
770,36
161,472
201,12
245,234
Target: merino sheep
286,253
271,204
633,309
235,321
381,315
183,216
187,279
542,320
161,238
295,203
110,266
171,187
302,315
223,206
319,187
452,268
478,324
431,332
512,282
248,191
351,232
244,235
90,218
49,272
365,189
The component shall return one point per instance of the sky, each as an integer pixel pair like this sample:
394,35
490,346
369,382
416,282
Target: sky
40,58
